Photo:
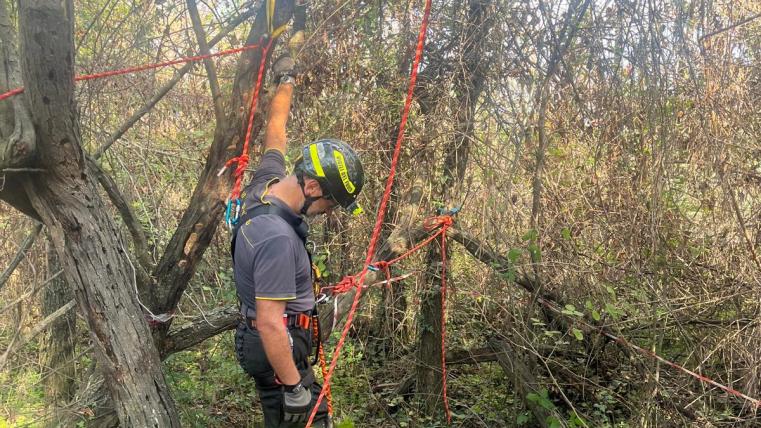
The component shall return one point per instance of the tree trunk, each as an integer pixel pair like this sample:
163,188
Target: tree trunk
17,139
525,383
469,83
85,238
58,346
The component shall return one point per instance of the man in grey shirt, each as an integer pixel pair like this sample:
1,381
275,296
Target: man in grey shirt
273,272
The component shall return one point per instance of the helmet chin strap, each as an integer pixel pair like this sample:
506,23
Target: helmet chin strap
308,200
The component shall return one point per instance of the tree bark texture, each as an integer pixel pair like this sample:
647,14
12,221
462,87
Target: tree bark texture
58,368
17,140
85,238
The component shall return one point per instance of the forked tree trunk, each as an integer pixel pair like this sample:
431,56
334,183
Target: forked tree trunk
85,238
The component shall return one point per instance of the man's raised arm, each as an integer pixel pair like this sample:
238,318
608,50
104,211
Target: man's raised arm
277,118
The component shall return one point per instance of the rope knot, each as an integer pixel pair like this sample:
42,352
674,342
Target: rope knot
346,284
381,265
434,222
242,164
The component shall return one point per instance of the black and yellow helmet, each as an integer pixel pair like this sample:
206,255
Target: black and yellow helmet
337,168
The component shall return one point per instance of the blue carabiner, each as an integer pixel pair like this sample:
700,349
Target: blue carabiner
232,217
449,212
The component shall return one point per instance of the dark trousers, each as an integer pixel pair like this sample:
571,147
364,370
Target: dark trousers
254,361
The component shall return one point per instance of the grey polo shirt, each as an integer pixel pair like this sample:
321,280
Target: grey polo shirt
271,262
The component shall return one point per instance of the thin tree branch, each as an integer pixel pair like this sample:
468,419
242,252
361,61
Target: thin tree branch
38,328
135,229
31,292
165,89
735,25
211,70
20,254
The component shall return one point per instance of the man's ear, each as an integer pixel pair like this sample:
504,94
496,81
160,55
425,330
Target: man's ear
312,187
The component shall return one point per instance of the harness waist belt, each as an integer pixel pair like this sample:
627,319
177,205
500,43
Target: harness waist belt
302,320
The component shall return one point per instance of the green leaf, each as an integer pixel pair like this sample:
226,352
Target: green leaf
595,315
611,290
578,334
566,233
535,252
613,311
570,310
576,421
346,423
541,399
522,419
531,235
553,422
514,254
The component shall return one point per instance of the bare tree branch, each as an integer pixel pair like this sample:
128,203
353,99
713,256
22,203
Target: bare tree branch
20,254
211,71
161,93
38,328
135,229
31,292
201,328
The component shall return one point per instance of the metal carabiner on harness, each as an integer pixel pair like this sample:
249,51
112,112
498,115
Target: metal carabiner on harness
232,215
322,299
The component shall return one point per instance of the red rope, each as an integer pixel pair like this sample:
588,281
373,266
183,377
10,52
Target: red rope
242,159
350,281
11,93
443,232
142,68
381,210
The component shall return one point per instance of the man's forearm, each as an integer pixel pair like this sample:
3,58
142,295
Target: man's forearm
274,134
278,350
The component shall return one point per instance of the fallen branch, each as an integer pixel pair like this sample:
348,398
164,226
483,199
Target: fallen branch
524,383
200,328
